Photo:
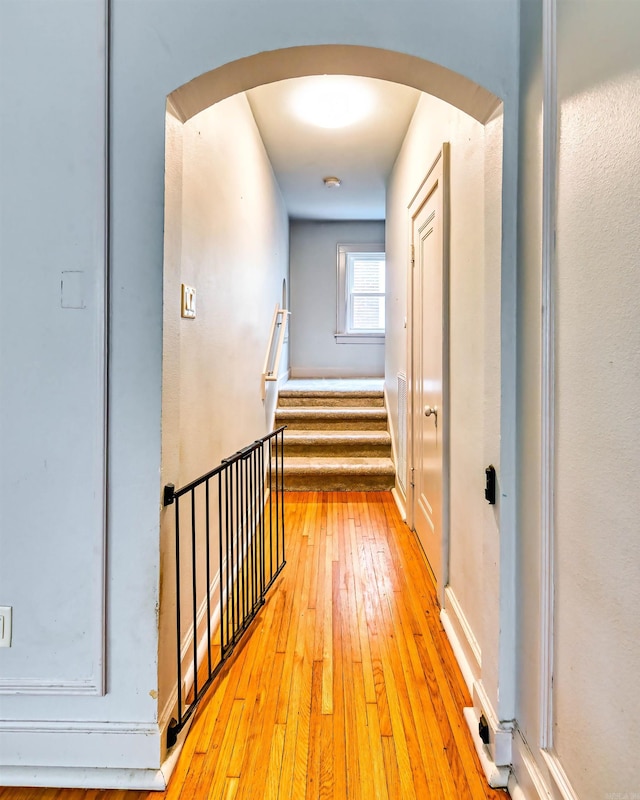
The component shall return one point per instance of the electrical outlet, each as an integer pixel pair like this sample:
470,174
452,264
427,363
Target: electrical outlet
5,626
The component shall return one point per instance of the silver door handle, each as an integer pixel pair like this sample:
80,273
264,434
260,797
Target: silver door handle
428,411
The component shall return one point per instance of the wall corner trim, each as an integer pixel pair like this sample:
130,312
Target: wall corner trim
548,374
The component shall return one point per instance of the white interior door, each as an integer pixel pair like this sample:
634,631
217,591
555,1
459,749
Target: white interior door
428,341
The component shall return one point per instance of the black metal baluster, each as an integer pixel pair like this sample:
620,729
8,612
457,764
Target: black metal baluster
261,514
208,589
277,506
228,473
271,506
234,539
281,561
242,533
220,567
178,621
253,532
193,594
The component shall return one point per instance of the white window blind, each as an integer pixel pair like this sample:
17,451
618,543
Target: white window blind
366,292
360,293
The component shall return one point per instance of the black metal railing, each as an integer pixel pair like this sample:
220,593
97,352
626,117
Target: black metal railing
229,549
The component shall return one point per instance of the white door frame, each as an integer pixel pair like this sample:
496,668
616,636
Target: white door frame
439,170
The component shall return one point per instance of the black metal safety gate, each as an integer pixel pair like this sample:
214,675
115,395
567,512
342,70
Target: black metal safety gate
241,505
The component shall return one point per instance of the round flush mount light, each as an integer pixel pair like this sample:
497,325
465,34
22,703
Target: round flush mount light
331,182
332,101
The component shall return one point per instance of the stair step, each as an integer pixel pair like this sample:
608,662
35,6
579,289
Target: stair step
334,474
332,418
347,444
290,398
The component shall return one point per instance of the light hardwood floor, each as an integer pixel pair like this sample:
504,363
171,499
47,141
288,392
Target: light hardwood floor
346,686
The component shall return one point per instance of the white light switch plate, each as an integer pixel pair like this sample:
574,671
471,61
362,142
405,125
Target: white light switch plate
5,626
188,306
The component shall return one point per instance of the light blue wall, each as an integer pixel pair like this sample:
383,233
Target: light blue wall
52,206
313,254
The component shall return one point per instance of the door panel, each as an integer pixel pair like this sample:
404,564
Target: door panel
428,407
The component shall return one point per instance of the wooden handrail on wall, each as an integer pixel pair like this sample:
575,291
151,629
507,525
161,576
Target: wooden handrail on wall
274,348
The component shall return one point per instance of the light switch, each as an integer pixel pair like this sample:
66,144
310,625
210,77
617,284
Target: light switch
188,302
5,626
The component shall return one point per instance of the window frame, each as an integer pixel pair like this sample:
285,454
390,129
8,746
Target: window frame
343,335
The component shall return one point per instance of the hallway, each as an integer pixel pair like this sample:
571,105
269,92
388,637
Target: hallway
346,687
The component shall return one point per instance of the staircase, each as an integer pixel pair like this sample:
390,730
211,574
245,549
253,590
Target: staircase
336,437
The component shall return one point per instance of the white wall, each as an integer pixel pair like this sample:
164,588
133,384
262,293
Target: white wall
475,181
598,397
314,350
595,732
53,145
226,234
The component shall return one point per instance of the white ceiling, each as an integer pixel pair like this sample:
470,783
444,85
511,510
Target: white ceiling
361,154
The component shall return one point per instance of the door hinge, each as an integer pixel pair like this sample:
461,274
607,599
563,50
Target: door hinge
413,470
413,256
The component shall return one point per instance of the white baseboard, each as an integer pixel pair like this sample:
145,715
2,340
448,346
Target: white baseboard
497,777
500,732
400,502
83,778
172,756
94,755
558,777
545,780
495,757
463,642
397,492
332,372
526,781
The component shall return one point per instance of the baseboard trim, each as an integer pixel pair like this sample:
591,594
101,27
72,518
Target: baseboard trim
526,781
558,775
497,777
495,757
397,492
80,754
83,778
400,502
500,731
538,781
283,378
460,634
172,756
332,372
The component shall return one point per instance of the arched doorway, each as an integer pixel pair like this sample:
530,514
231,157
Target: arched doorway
189,100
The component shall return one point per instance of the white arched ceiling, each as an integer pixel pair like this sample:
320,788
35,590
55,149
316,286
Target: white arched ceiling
294,62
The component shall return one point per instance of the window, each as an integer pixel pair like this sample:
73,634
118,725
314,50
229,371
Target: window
361,288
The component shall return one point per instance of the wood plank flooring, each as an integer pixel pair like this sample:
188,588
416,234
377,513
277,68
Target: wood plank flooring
345,688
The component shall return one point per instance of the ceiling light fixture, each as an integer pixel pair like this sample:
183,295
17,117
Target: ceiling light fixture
332,101
331,182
